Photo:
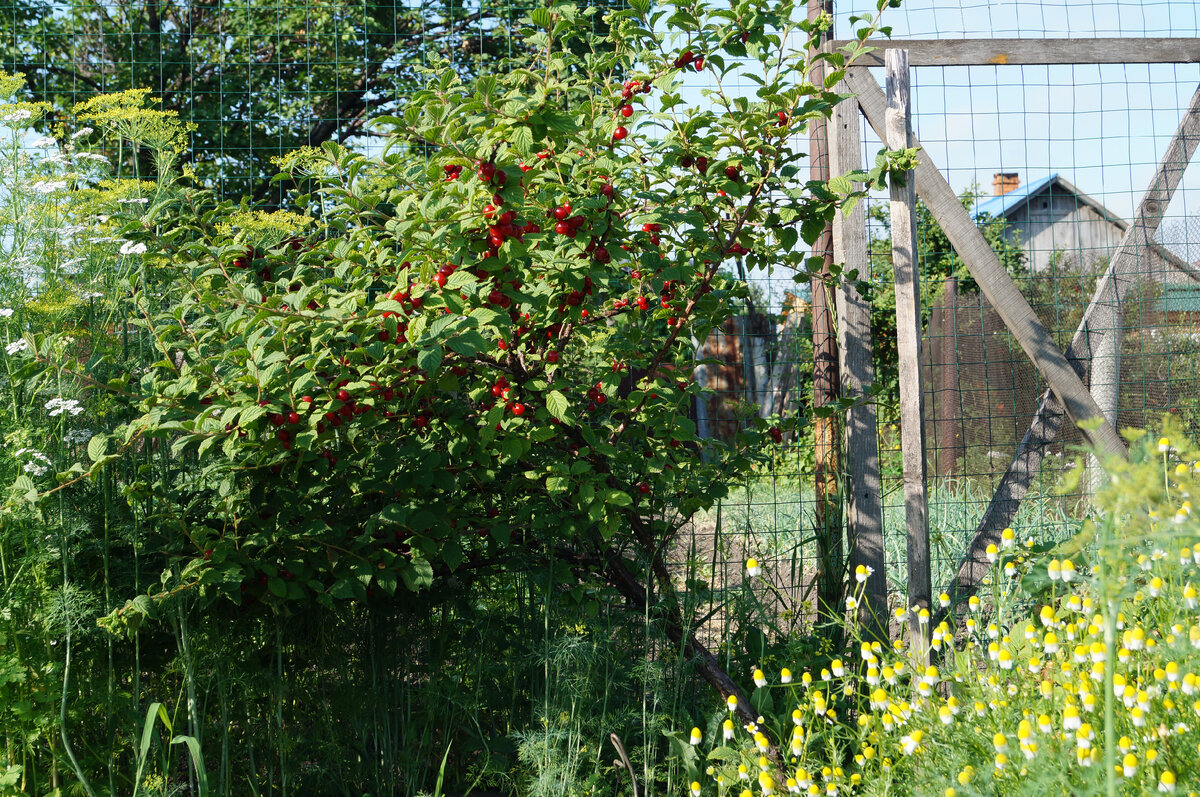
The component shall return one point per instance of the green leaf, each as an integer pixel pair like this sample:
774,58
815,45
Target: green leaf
558,121
521,137
468,343
557,484
788,238
429,359
618,498
558,405
97,446
418,575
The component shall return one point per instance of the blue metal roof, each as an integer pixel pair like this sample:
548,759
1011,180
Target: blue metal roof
1001,206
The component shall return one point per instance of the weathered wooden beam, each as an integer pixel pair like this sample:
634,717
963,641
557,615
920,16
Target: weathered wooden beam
830,562
993,280
1027,52
864,508
1100,320
903,206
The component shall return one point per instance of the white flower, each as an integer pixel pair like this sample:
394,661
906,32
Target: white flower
44,141
89,156
81,132
39,463
6,312
130,248
77,436
16,346
58,406
17,115
49,186
133,201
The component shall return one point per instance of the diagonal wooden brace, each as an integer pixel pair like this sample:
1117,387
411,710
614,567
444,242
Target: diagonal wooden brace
995,282
1099,319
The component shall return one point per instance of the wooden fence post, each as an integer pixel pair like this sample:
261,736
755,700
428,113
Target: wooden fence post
908,344
830,565
864,513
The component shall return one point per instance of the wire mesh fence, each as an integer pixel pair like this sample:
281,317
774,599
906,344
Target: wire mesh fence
1051,161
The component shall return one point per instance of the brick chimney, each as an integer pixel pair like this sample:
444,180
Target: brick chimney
1003,182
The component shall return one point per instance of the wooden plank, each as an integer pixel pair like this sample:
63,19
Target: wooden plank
994,281
828,521
864,520
1099,320
950,445
1027,52
898,135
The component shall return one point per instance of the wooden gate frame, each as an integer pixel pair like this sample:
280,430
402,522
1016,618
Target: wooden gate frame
1063,371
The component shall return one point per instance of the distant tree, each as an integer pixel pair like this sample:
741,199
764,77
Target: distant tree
256,78
938,263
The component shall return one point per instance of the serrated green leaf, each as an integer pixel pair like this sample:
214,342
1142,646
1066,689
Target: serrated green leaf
558,405
97,446
429,359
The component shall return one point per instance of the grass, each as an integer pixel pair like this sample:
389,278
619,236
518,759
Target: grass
774,520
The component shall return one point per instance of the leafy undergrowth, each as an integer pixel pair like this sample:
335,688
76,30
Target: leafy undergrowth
1077,672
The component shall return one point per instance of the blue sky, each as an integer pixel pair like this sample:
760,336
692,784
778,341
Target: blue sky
1104,128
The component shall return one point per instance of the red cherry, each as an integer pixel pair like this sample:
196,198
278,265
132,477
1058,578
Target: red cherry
642,303
561,212
699,63
552,356
518,408
307,399
619,134
627,111
562,228
440,279
343,395
777,434
293,418
644,488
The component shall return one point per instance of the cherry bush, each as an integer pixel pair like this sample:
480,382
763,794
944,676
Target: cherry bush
477,346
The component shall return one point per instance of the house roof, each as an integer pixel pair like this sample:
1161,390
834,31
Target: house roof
1004,205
